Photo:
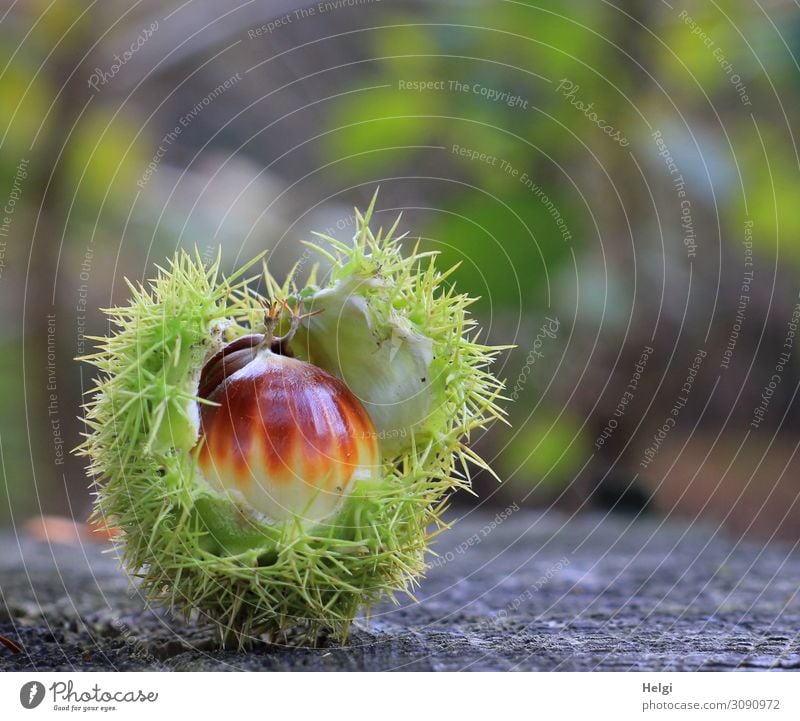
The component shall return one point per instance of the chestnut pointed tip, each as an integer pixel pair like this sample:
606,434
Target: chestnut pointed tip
226,361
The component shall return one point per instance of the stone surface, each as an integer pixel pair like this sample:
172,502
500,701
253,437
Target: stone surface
537,592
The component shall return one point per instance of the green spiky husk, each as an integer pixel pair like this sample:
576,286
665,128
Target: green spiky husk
195,549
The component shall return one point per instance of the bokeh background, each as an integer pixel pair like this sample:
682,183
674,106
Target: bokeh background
619,182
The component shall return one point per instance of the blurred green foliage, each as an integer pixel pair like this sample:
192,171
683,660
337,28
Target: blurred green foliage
82,160
642,67
104,158
542,453
507,237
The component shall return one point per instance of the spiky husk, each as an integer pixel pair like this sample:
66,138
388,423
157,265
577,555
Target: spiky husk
194,549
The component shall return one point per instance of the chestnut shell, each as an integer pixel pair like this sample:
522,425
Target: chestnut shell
289,437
